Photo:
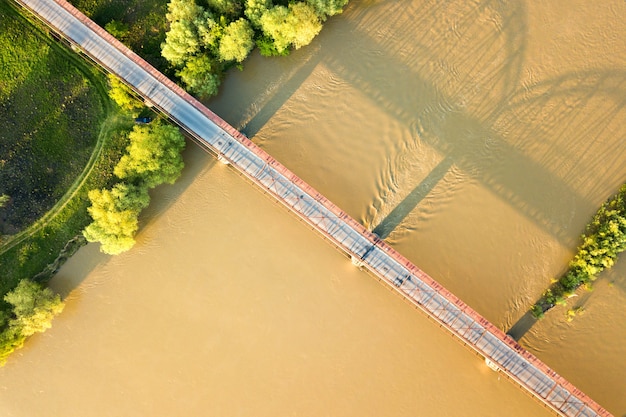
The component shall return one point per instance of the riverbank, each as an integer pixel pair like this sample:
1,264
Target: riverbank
39,249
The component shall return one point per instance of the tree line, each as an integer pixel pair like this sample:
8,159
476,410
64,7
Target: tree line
603,240
152,157
204,39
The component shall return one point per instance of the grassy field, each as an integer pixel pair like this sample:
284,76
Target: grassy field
56,106
50,112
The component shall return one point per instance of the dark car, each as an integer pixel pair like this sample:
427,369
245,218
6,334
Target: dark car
143,120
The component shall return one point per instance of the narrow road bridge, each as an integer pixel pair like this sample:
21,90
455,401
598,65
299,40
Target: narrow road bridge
501,352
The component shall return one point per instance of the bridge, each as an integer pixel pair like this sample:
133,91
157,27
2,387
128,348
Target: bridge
501,352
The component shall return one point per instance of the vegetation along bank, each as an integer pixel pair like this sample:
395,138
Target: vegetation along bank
603,240
86,166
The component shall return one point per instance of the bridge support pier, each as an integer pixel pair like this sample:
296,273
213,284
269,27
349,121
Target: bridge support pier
494,367
223,159
356,261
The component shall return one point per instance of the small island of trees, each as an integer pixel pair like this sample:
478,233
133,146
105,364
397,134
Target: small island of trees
603,240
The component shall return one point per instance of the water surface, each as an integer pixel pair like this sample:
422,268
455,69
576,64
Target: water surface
477,137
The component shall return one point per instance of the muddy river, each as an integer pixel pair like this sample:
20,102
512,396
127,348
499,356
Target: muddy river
477,137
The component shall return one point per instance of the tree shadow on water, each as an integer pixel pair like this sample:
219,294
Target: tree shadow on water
260,94
88,258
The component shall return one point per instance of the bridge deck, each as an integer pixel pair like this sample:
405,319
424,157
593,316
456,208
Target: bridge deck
365,248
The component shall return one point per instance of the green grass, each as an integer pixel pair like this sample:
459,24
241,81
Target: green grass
87,138
50,111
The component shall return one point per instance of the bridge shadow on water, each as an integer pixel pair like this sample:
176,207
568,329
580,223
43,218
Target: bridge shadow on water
399,213
473,128
563,126
461,94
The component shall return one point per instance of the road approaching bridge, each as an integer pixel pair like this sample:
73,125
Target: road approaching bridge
500,352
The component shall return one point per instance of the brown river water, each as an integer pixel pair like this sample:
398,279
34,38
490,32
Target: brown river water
477,137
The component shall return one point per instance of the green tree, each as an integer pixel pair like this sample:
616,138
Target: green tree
118,29
295,25
228,8
237,41
254,9
210,33
604,239
188,25
115,216
181,42
33,308
153,155
121,94
4,199
326,8
202,75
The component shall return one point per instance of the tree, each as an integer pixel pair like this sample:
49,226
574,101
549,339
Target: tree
181,42
237,41
188,25
295,25
254,10
34,307
604,239
228,8
114,214
121,94
326,8
4,199
153,156
210,33
118,29
201,75
188,10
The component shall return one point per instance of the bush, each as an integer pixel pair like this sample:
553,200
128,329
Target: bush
123,96
202,75
537,311
118,29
